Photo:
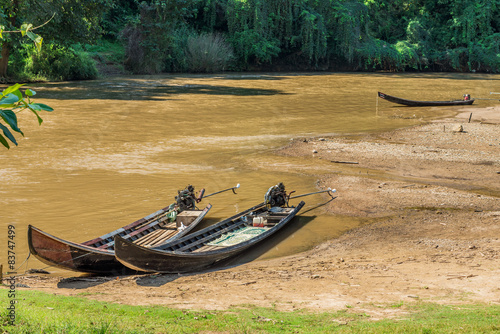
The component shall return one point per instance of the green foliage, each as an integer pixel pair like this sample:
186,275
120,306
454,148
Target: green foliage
60,21
73,21
151,43
449,35
119,15
407,55
394,35
250,46
378,54
261,30
417,34
12,101
250,27
56,62
347,22
105,51
313,35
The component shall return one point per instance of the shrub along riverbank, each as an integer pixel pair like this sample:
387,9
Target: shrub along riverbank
38,312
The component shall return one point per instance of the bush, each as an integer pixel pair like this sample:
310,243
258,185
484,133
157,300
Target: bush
56,62
208,53
180,51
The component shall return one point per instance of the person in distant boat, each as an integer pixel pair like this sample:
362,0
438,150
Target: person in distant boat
466,97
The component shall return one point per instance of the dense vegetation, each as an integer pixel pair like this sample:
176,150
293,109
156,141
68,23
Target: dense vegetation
214,35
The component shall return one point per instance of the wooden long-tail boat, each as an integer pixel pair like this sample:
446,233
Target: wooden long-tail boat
98,255
202,249
205,248
414,103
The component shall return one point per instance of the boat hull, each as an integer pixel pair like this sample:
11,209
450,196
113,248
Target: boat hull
67,255
82,257
158,259
414,103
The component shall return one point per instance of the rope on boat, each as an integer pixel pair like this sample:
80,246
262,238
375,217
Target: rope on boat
15,270
29,254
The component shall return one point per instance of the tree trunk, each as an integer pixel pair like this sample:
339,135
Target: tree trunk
4,61
7,46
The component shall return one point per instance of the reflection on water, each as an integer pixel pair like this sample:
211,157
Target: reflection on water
115,150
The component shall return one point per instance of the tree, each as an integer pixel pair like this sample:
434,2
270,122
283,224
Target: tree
59,21
151,40
12,101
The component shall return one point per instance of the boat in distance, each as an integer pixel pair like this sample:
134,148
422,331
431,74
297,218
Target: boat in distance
414,103
98,255
204,248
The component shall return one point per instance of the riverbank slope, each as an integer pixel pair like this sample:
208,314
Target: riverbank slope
430,197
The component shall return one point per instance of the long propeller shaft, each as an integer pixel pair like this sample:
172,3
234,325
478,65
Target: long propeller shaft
221,191
329,190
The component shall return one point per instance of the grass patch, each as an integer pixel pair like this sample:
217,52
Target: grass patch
38,312
109,55
107,51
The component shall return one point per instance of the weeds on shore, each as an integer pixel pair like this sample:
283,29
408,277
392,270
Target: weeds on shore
208,53
38,312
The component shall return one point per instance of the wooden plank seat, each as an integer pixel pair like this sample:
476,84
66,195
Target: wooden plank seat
159,237
156,237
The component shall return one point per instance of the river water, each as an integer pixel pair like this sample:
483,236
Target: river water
117,149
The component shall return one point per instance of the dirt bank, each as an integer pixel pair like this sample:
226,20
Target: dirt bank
431,195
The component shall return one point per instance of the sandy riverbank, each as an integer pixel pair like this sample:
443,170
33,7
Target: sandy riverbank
433,197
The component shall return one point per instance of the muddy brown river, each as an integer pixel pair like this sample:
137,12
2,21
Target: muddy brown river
116,149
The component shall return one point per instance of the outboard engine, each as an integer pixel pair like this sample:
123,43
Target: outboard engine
276,196
186,199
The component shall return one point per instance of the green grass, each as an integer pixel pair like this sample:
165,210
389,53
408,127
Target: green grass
38,312
107,51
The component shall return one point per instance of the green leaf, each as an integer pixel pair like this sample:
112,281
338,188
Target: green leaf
30,92
2,28
25,28
31,35
38,43
10,118
40,106
34,106
36,39
18,94
8,134
11,89
9,100
40,120
4,142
